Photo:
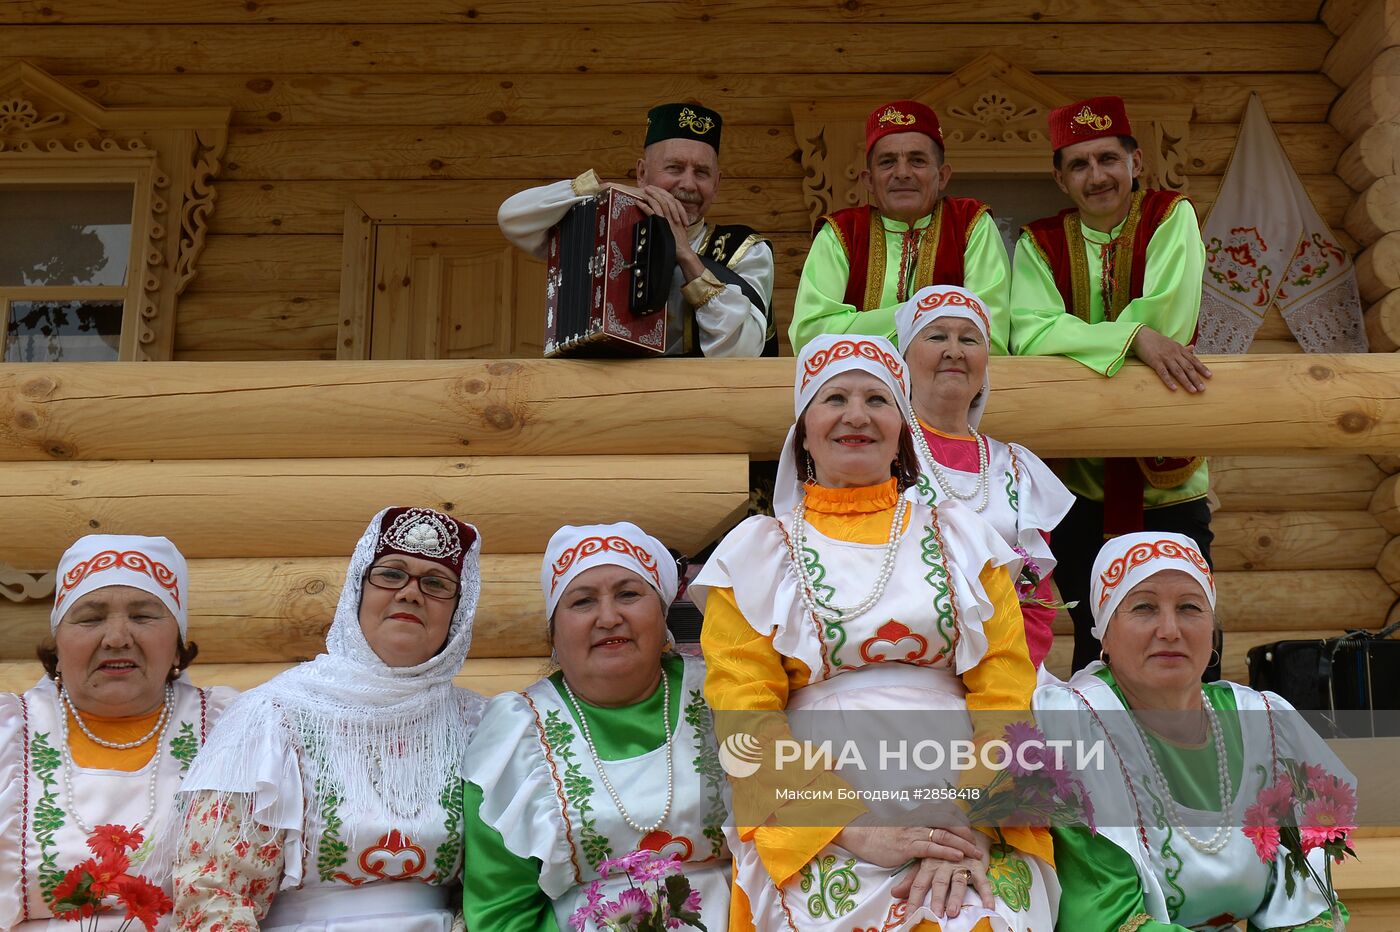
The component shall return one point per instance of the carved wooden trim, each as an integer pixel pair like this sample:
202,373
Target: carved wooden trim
21,586
993,115
170,156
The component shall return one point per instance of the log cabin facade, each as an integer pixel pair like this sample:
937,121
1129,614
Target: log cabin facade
316,180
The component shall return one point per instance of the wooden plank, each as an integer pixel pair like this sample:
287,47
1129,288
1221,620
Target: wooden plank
487,676
1296,540
1102,48
303,323
278,609
667,12
1337,15
250,264
283,99
318,507
1255,405
290,207
1285,483
528,152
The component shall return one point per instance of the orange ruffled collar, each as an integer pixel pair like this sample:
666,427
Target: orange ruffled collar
865,499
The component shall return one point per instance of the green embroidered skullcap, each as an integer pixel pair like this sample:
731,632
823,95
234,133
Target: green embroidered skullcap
683,121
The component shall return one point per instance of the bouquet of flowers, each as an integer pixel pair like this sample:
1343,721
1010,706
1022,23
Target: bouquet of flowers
658,897
101,884
1029,580
1304,808
1033,788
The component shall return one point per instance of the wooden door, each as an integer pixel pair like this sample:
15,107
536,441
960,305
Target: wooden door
455,292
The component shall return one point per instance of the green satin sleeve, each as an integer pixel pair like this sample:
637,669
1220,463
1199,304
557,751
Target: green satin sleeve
820,305
1099,887
987,274
500,890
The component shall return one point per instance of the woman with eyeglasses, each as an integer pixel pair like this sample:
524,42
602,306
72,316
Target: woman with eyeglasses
330,797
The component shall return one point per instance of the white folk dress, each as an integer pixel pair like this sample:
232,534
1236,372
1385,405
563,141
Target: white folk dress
542,792
906,653
39,838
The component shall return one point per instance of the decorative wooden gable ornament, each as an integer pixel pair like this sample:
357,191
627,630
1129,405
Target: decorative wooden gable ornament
52,134
993,116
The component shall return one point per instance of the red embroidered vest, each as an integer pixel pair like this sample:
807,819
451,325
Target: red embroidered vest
941,250
1058,239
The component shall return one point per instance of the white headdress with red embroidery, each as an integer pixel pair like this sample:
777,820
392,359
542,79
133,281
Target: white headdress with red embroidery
935,301
574,549
820,361
1128,560
151,564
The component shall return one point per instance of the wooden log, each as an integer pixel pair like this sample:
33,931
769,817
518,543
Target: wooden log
1376,211
256,264
278,610
1373,156
1285,483
1296,540
1388,563
1255,404
1337,15
523,99
313,507
891,12
1383,324
303,323
730,48
1389,465
1385,504
1374,97
528,152
1375,29
1378,268
487,676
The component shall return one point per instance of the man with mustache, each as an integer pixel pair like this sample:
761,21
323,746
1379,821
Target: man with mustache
721,301
866,261
1118,273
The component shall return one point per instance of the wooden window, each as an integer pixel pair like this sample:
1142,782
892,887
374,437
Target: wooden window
65,271
1017,201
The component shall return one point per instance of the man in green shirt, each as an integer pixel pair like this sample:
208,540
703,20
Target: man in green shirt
1118,273
866,261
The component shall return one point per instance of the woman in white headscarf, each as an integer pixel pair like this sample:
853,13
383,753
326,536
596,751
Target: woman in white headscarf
329,799
91,757
854,601
943,334
1184,761
611,754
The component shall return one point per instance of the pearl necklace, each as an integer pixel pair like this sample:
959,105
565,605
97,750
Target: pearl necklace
72,809
982,488
67,702
1221,837
818,606
598,762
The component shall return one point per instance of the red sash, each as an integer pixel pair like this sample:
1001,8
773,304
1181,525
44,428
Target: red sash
941,251
1058,240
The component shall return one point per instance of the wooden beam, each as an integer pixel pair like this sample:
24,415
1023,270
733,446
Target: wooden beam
1378,268
1296,540
1388,563
729,48
1383,324
1286,483
278,609
1371,157
319,507
1376,211
524,99
1373,97
1375,29
1385,504
871,12
304,323
91,411
1337,15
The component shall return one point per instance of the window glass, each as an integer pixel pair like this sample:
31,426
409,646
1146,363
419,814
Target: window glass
63,331
64,235
1014,201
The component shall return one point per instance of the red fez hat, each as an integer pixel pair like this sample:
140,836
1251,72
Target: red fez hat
425,533
1089,119
902,116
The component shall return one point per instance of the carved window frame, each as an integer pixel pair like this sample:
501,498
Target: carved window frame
993,116
51,133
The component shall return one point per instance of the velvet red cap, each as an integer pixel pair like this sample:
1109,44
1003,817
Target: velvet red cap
1084,120
902,116
425,533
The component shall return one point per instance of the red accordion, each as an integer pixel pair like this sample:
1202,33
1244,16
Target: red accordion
610,270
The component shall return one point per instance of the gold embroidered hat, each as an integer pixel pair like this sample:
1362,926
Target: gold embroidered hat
1084,120
684,121
902,116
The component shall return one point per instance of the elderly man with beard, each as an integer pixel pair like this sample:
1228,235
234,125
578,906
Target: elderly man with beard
1118,273
867,261
722,291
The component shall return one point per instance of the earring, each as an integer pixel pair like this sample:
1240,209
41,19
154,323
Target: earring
811,471
1216,661
1103,658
